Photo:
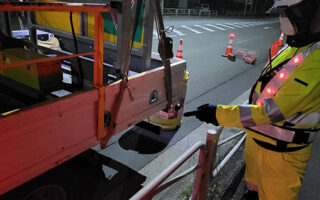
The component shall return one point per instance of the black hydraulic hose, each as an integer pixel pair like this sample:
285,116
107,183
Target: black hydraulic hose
80,77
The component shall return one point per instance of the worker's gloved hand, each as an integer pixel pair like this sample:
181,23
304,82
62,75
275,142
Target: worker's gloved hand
205,113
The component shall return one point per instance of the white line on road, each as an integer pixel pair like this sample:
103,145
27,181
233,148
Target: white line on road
217,27
226,26
247,23
191,29
242,24
178,32
267,27
205,28
234,24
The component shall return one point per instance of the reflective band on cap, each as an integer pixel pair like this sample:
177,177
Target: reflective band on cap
246,116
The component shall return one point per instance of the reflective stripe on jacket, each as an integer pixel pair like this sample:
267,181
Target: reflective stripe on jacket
284,102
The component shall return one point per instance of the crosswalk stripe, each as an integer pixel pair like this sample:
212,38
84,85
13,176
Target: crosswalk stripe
205,28
191,29
258,23
247,23
226,26
243,24
217,27
234,24
178,32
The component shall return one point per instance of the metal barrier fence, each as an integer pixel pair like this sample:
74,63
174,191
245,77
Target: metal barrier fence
189,12
204,169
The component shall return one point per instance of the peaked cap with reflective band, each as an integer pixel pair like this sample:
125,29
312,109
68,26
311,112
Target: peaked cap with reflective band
285,107
280,4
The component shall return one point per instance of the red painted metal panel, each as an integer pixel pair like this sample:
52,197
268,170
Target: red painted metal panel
38,139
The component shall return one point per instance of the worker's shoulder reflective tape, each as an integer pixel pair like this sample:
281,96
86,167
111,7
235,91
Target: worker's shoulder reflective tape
275,83
292,136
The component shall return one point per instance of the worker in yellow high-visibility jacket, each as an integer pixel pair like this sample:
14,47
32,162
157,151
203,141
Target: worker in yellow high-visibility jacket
283,113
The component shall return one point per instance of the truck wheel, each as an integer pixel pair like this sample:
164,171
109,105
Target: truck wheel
47,192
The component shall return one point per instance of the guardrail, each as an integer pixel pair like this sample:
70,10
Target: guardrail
204,168
189,12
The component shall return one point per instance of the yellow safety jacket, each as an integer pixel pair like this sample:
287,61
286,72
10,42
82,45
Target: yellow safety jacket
284,104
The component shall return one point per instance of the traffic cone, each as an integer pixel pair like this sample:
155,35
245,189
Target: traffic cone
274,49
179,52
280,41
229,48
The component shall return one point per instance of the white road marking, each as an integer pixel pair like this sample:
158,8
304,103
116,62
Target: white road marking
247,23
205,28
267,27
178,32
191,29
226,26
235,25
217,27
241,24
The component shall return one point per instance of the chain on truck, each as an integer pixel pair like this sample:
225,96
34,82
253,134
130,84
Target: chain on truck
72,75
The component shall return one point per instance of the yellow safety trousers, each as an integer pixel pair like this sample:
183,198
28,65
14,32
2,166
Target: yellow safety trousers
278,175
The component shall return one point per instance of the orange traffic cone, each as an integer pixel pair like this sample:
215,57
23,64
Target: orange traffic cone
274,49
179,52
229,48
280,41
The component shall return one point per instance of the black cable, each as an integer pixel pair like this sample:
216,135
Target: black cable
80,77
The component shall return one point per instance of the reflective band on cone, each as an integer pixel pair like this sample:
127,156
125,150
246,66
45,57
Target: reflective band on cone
180,51
229,49
280,41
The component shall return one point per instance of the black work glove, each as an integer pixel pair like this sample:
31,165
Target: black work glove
205,113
